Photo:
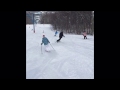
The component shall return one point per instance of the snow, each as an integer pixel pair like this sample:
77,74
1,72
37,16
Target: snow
73,57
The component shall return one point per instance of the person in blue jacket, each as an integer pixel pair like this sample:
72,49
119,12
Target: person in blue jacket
56,33
46,42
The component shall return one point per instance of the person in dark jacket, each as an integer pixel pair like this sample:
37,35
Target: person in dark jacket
60,36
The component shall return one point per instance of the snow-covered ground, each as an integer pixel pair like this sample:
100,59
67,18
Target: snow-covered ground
73,57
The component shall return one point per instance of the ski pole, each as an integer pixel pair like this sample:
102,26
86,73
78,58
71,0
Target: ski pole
52,47
41,48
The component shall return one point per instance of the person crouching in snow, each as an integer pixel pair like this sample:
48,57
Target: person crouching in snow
85,35
55,33
45,41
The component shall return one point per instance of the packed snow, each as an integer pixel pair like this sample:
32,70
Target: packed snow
71,58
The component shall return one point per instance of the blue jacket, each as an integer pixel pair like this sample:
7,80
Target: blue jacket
45,41
56,32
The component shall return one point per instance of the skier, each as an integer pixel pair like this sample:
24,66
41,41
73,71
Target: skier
45,41
85,35
55,33
60,36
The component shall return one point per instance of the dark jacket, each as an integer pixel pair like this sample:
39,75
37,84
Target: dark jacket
61,34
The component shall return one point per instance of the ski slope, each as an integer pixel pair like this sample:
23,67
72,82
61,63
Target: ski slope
73,57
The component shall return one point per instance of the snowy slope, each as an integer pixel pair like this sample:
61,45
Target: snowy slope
73,57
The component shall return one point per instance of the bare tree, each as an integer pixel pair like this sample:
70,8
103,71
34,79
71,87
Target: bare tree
28,21
70,21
